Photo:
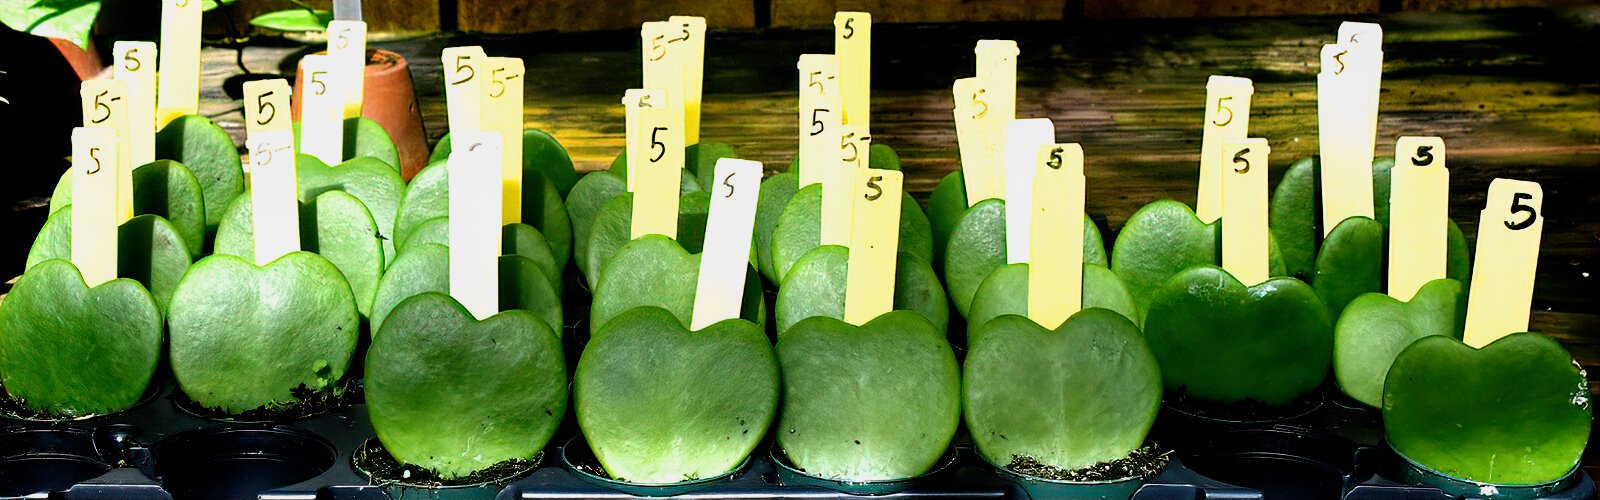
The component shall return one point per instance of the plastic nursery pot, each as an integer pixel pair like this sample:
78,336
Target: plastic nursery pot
580,459
398,480
1415,473
1279,461
788,474
44,461
342,395
227,463
389,98
1038,487
11,409
1190,412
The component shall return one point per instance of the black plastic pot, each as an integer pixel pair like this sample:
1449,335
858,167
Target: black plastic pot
226,463
39,460
788,474
581,460
1038,487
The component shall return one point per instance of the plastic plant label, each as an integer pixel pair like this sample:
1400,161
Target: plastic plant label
105,105
1509,229
462,90
1024,138
266,106
94,212
134,63
997,70
1419,215
274,202
874,241
1227,118
502,114
981,172
1055,270
655,142
852,41
1347,117
1244,206
178,73
839,184
819,116
474,174
321,111
663,53
1364,36
692,38
719,289
347,45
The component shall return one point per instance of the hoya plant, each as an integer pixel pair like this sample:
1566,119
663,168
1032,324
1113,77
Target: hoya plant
975,247
428,197
592,194
798,230
656,271
1163,239
778,190
524,284
210,155
374,184
815,288
611,230
334,225
1374,328
150,250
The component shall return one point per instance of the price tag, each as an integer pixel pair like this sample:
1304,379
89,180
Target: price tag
1347,116
274,194
819,116
462,89
852,41
663,63
655,161
1024,138
1055,267
321,111
178,74
1509,229
105,105
502,114
474,178
997,68
347,45
94,209
266,106
839,184
720,286
1227,119
135,65
692,31
874,241
1419,215
980,166
1244,208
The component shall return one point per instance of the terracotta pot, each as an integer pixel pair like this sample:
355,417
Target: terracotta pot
388,98
85,62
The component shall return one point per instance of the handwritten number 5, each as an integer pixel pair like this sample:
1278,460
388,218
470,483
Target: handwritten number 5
1055,159
1518,207
461,66
265,111
728,181
657,144
1239,158
849,31
1223,108
94,154
1424,156
877,192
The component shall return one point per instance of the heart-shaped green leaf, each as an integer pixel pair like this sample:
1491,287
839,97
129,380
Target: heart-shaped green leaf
1296,215
661,404
799,229
945,207
70,350
426,268
163,187
1165,238
455,395
1375,327
376,184
977,247
1350,263
613,228
207,151
364,138
515,239
590,196
1515,412
1084,393
540,153
245,337
293,20
149,250
698,161
1005,291
775,194
335,225
1218,340
655,271
428,196
870,402
815,287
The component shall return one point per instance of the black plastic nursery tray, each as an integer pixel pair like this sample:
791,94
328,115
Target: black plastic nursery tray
160,451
